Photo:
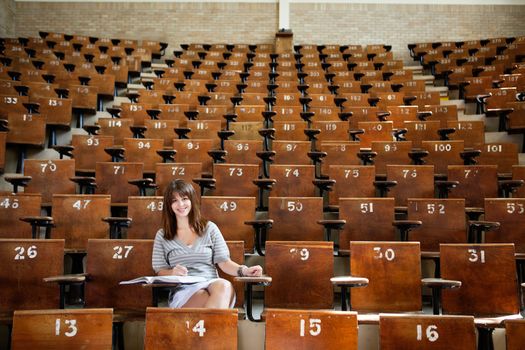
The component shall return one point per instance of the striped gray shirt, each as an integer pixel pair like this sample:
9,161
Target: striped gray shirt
199,259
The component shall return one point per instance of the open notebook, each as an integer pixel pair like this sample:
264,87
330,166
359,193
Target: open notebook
164,279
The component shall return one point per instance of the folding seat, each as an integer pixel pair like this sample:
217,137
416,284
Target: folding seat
390,152
58,112
389,99
350,181
339,153
399,114
26,128
167,172
118,179
292,152
493,298
360,114
443,221
516,119
243,151
393,271
236,218
26,262
504,155
373,131
13,207
313,267
412,181
510,214
333,130
191,328
63,329
108,263
136,111
249,113
46,177
473,86
295,219
514,334
347,86
441,154
118,128
88,150
365,219
145,151
293,180
194,150
471,132
422,131
290,130
289,113
145,217
442,113
474,183
233,180
426,332
303,329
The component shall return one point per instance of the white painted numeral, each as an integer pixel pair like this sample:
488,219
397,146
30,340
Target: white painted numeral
476,256
314,327
92,141
389,254
409,173
81,204
154,206
433,208
49,165
235,171
367,208
517,208
6,203
72,326
431,333
175,170
198,328
228,206
119,250
21,253
288,172
294,206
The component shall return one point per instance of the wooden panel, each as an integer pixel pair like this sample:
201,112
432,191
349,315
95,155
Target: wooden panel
79,217
50,177
443,153
146,215
504,155
190,329
443,220
518,173
12,208
415,181
295,219
235,180
115,260
167,172
63,329
394,273
476,182
89,150
515,334
293,180
145,151
230,214
510,213
112,178
427,332
312,265
488,275
392,153
25,262
351,181
308,329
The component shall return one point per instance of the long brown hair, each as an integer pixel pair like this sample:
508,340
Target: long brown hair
169,220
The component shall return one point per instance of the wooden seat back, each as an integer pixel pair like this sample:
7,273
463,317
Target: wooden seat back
442,154
310,329
367,219
243,151
88,150
26,128
146,216
476,182
3,140
294,219
426,332
390,152
112,178
25,263
443,221
110,261
510,213
194,151
78,218
145,151
167,172
422,131
351,181
12,208
472,132
518,173
235,180
190,329
394,273
504,155
230,214
413,181
118,128
292,180
50,177
488,279
292,152
339,153
161,129
308,286
514,334
63,329
375,131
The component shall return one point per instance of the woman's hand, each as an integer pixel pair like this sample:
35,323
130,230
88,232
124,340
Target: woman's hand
252,271
179,270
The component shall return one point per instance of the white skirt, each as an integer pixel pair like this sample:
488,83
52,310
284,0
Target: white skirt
183,293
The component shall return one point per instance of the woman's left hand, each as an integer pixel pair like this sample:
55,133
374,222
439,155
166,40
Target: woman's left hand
252,271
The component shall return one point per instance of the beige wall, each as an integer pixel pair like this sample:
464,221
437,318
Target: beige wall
7,18
179,22
174,23
399,25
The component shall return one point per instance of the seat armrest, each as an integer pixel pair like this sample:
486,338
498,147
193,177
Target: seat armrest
477,228
250,282
86,184
64,151
67,279
117,153
417,156
324,184
260,227
444,187
345,282
143,184
510,186
405,226
218,155
330,225
167,155
437,285
115,225
38,221
17,180
384,186
205,183
367,156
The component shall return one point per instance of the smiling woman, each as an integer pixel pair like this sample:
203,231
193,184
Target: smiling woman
189,245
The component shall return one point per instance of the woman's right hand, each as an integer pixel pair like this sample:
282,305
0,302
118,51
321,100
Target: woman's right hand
179,270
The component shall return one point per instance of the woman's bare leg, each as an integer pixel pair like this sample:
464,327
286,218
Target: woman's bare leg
221,294
198,299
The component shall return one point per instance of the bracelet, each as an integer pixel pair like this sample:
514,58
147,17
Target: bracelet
239,270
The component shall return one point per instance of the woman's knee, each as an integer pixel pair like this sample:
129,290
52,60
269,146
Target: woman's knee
221,286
